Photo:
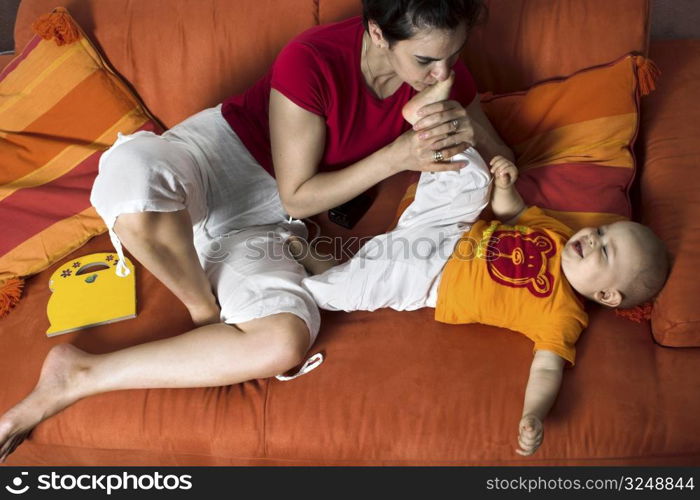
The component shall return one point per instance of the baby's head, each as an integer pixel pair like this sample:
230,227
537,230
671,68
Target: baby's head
618,265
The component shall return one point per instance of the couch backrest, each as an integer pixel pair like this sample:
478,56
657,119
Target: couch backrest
184,55
526,41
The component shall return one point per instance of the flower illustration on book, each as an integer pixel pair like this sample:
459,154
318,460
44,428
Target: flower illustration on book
109,258
76,264
66,273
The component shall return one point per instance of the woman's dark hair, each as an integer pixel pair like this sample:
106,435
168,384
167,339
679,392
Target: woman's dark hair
401,19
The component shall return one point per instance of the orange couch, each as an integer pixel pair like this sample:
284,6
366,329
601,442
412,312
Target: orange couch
396,388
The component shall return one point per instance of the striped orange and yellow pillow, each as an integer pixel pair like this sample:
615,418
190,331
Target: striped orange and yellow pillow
572,138
61,106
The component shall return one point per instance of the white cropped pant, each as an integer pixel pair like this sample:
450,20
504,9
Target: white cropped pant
401,269
238,220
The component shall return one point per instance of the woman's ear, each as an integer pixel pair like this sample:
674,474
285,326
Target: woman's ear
610,297
375,34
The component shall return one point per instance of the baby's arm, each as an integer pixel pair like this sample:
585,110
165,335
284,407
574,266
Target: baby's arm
506,203
542,389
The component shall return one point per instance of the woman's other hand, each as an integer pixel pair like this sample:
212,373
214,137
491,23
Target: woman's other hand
410,152
445,123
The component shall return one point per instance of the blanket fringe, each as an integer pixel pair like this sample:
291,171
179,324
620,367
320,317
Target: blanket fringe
637,314
10,292
58,25
647,74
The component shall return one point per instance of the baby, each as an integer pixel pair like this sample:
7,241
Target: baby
526,273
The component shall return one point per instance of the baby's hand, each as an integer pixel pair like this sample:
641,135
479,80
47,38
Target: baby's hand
531,433
505,173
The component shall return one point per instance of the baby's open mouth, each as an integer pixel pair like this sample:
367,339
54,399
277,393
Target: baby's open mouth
578,248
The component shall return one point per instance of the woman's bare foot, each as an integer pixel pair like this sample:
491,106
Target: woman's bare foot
308,256
437,92
59,386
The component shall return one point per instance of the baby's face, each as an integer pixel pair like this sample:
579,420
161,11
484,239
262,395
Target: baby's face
600,262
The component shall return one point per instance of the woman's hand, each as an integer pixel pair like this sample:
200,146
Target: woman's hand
444,124
447,122
410,152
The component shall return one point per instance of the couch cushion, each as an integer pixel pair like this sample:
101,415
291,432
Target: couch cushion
399,388
182,56
396,388
60,107
140,427
526,41
670,183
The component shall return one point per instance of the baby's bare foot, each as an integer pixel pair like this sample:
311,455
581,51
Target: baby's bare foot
437,92
312,260
59,386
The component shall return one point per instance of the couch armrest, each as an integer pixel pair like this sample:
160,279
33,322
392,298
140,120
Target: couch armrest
670,183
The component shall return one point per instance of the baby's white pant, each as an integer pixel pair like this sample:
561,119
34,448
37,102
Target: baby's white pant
401,269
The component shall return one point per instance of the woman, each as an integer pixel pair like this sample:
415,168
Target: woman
191,204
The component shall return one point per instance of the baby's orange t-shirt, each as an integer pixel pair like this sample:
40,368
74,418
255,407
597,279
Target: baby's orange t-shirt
511,276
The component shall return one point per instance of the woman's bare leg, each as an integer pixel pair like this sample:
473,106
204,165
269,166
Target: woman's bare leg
211,355
162,242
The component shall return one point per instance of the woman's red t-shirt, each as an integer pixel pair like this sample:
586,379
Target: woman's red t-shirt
319,71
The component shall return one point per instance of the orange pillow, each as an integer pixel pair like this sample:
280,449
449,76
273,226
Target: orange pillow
61,106
572,138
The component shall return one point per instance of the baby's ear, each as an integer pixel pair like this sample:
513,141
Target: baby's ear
610,297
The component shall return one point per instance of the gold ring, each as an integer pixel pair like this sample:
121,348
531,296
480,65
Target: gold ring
437,156
455,124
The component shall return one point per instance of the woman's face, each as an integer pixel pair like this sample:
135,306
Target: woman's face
428,56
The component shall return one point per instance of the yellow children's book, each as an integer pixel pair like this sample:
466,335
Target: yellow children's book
88,292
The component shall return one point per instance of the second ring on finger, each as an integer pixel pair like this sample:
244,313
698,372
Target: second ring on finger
452,129
448,142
